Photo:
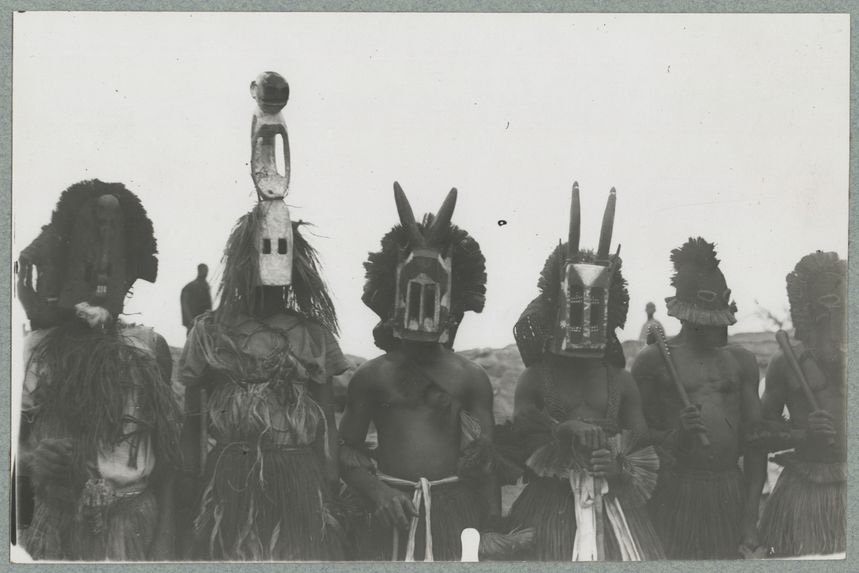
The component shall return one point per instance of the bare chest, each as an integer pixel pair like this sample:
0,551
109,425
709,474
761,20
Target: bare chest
569,394
707,373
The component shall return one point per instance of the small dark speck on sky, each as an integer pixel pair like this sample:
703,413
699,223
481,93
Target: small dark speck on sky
669,68
501,222
507,126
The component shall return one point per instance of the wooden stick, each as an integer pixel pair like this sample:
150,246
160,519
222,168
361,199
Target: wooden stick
783,340
675,377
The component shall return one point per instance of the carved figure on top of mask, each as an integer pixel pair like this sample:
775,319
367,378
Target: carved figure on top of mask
578,413
432,409
704,508
806,511
100,425
257,374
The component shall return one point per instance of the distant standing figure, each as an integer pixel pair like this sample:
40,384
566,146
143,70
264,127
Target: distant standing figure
196,297
645,337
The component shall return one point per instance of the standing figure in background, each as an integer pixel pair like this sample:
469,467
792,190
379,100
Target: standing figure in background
430,476
578,411
650,326
196,297
100,423
704,506
806,512
259,421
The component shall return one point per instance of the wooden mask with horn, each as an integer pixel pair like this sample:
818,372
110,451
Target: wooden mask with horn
582,325
424,274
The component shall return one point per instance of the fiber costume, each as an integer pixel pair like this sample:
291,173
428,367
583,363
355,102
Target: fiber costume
420,284
577,516
99,384
806,511
261,360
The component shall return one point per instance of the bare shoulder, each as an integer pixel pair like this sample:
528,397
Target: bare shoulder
648,359
473,373
530,379
370,374
742,355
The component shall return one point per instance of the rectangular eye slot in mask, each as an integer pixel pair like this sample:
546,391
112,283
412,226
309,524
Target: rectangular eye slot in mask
422,296
597,326
422,303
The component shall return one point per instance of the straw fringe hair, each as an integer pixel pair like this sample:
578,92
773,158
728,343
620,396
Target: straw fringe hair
85,380
239,290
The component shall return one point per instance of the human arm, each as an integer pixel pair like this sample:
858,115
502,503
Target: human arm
480,408
646,373
192,376
163,546
754,457
631,418
356,468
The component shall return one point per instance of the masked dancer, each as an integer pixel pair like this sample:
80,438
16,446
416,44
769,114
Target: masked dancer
806,511
579,412
257,372
100,424
429,478
701,402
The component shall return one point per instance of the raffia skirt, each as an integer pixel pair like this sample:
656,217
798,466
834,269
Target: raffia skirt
805,513
698,514
548,505
455,506
125,533
267,504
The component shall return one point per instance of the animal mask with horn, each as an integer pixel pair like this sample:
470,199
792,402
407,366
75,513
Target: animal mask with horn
582,328
424,279
424,274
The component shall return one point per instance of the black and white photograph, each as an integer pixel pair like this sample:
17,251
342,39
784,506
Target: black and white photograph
381,286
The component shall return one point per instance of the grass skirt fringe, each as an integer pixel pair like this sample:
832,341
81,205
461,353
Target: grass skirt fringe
268,504
805,516
698,514
127,536
548,505
455,507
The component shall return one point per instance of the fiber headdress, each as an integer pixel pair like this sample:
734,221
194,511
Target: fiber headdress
434,235
98,243
583,298
703,296
240,290
817,287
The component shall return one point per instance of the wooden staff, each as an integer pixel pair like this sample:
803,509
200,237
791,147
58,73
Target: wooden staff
675,377
783,340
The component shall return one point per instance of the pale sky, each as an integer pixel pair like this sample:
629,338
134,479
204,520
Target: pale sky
733,127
